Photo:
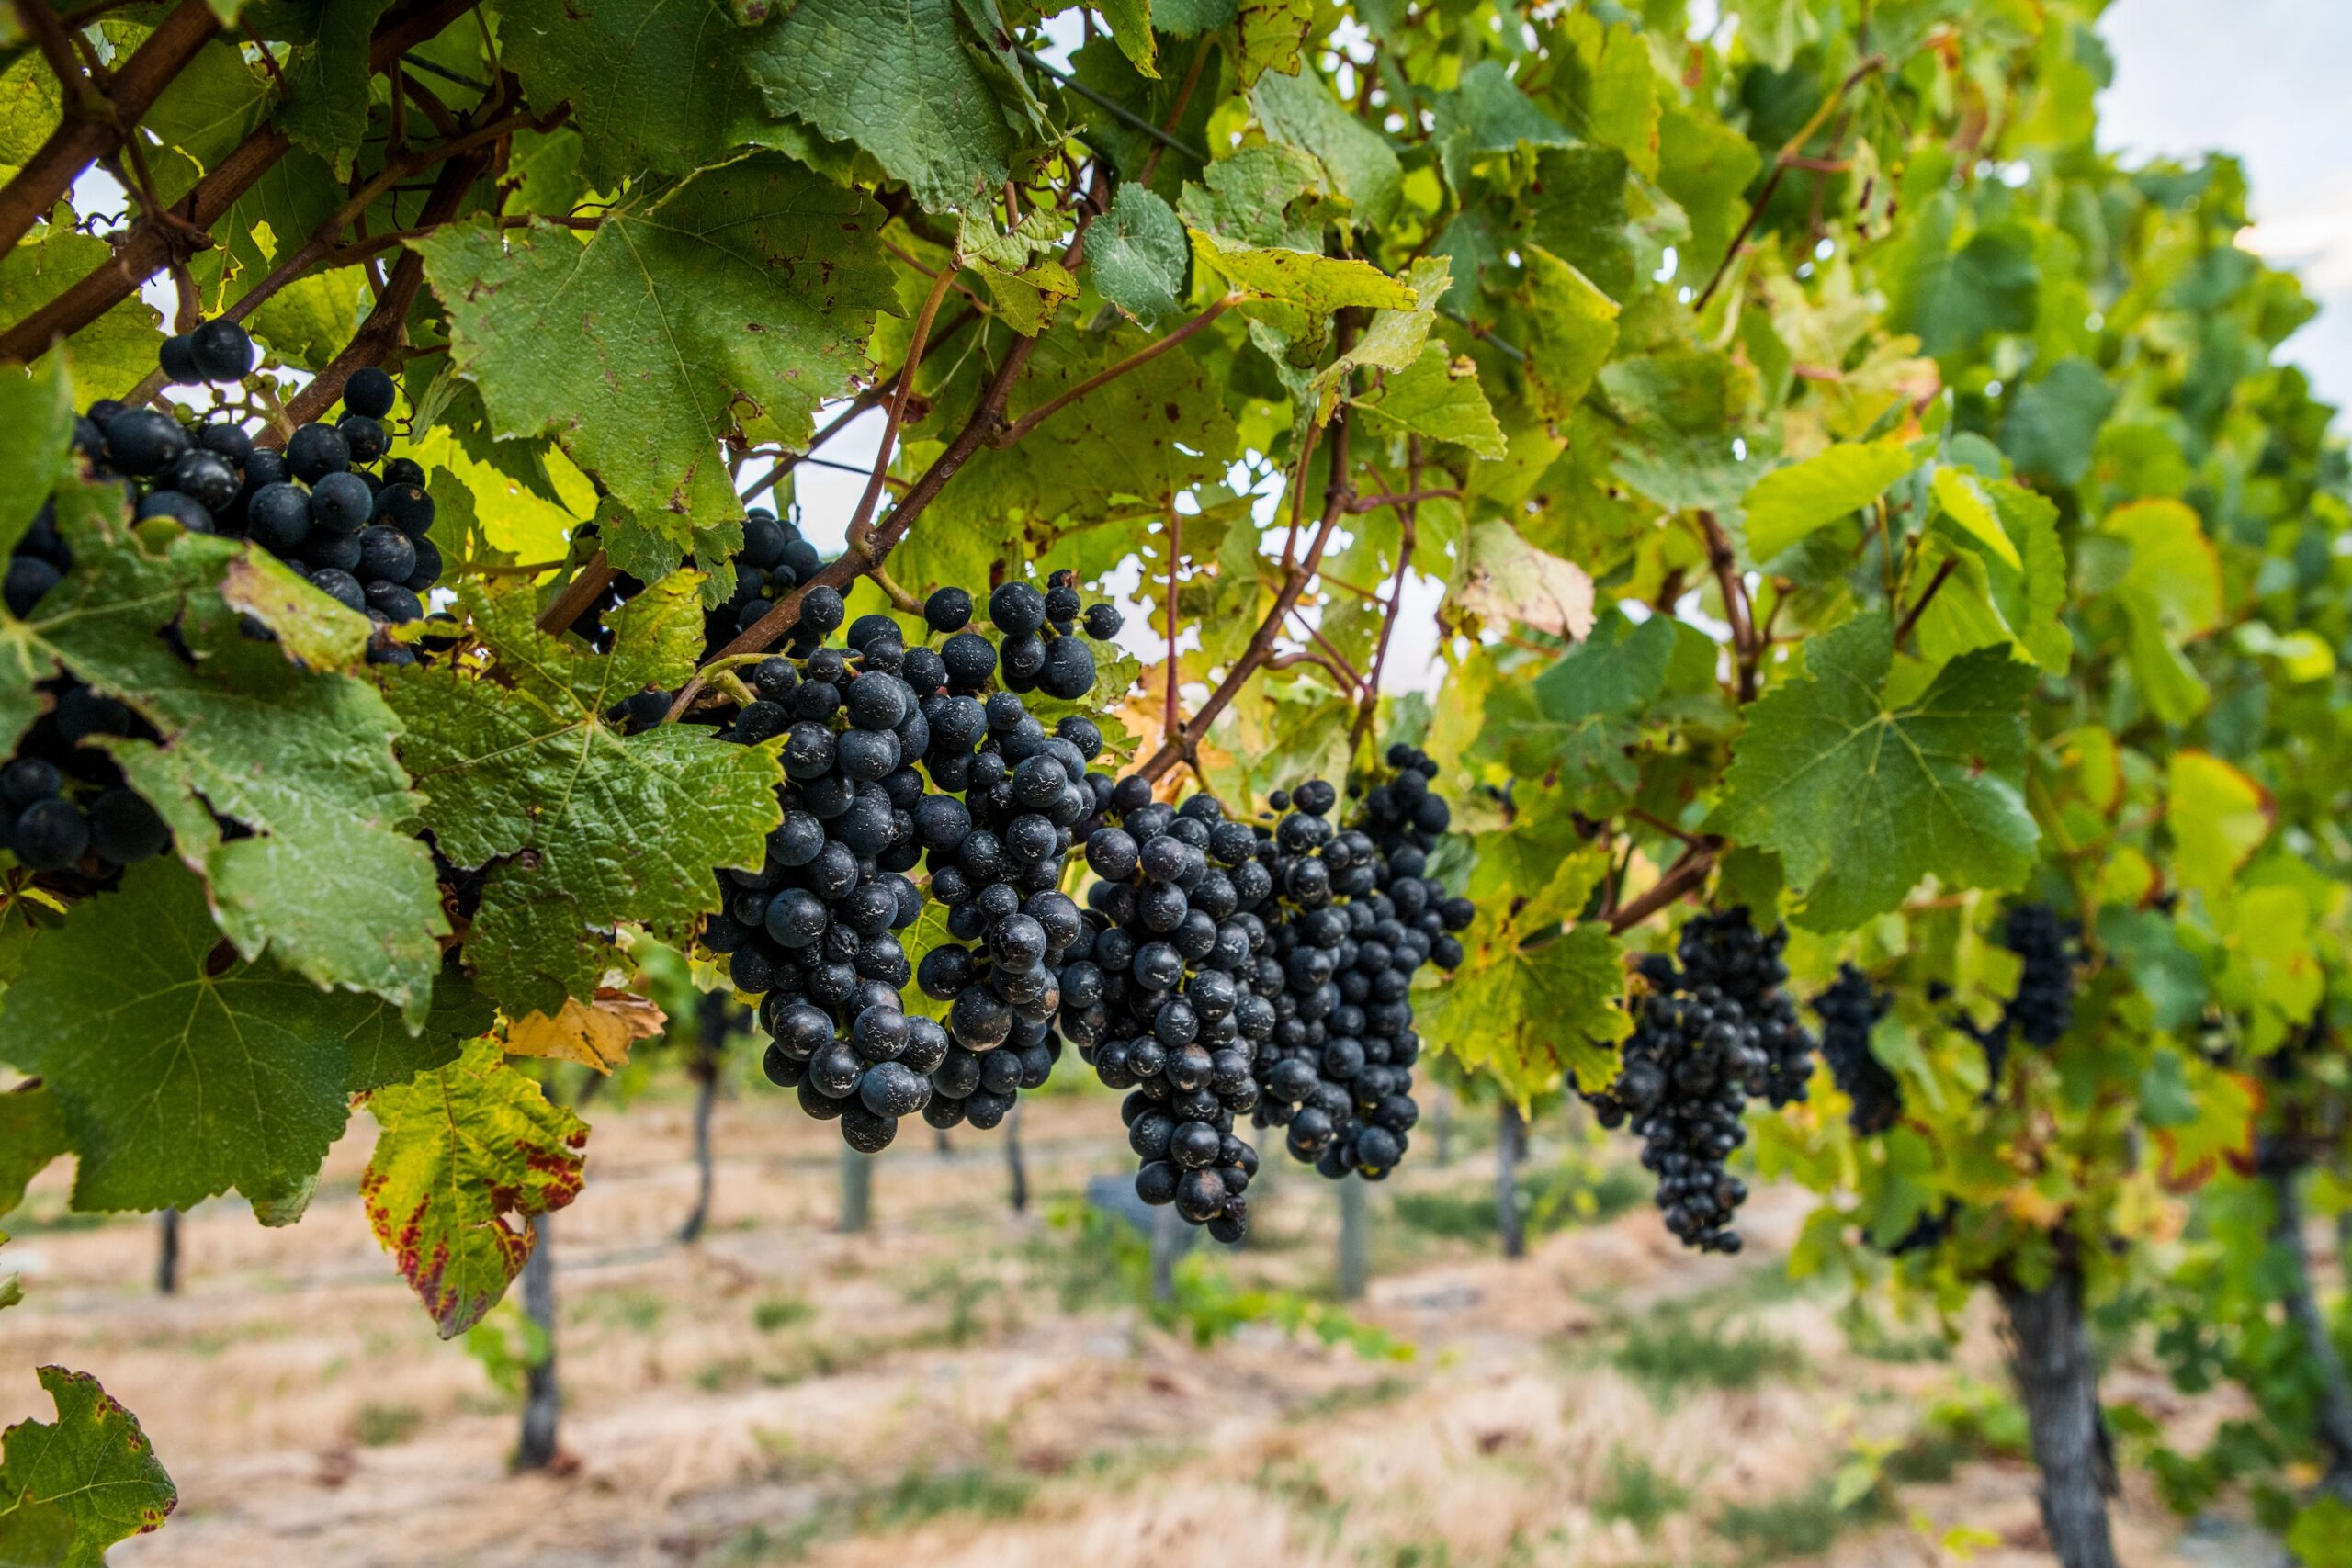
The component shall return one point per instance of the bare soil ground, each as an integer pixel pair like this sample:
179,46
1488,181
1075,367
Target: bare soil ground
965,1386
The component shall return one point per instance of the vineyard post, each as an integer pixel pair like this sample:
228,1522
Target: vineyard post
2332,1420
1016,1172
1355,1237
1509,1138
857,1192
711,1018
1167,1241
2056,1370
542,1393
168,1252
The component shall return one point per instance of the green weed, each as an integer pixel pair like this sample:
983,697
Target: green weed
1634,1491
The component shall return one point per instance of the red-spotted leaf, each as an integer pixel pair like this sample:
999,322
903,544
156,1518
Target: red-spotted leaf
468,1152
71,1488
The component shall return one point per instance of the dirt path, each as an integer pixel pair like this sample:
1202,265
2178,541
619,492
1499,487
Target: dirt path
962,1386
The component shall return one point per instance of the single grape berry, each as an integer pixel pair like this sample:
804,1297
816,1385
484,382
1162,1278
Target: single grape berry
369,392
1104,621
222,350
1016,609
178,358
314,451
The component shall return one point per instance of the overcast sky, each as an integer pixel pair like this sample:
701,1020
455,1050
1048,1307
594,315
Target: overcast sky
2263,79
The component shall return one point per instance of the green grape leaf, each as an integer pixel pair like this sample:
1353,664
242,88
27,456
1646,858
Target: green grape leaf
1862,799
581,826
1581,215
1137,253
1486,114
32,1133
1789,503
1530,1017
904,80
1575,717
2218,817
756,281
2320,1536
327,92
1299,111
1162,428
111,354
1704,165
1437,397
93,1466
1619,90
2053,426
182,1070
1572,325
656,87
1951,299
1680,420
36,413
383,1052
465,1152
326,874
1246,201
1272,34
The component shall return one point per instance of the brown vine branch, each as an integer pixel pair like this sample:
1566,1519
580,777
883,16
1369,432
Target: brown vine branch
86,135
898,410
1737,611
1786,159
382,334
587,585
1408,517
1919,607
1173,719
147,248
1182,744
1404,499
1687,873
55,40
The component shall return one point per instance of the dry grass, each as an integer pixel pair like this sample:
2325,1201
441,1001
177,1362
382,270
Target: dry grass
923,1394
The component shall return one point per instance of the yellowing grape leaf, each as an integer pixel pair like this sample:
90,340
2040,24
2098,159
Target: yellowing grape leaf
1505,578
1528,1017
70,1488
2218,817
1789,503
466,1152
596,1034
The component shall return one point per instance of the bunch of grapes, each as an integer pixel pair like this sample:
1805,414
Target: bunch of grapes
1724,950
1686,1073
1850,1009
334,505
1356,919
2042,1009
996,856
879,740
1170,994
355,533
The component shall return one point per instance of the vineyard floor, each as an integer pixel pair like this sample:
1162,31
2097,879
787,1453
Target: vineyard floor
965,1386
